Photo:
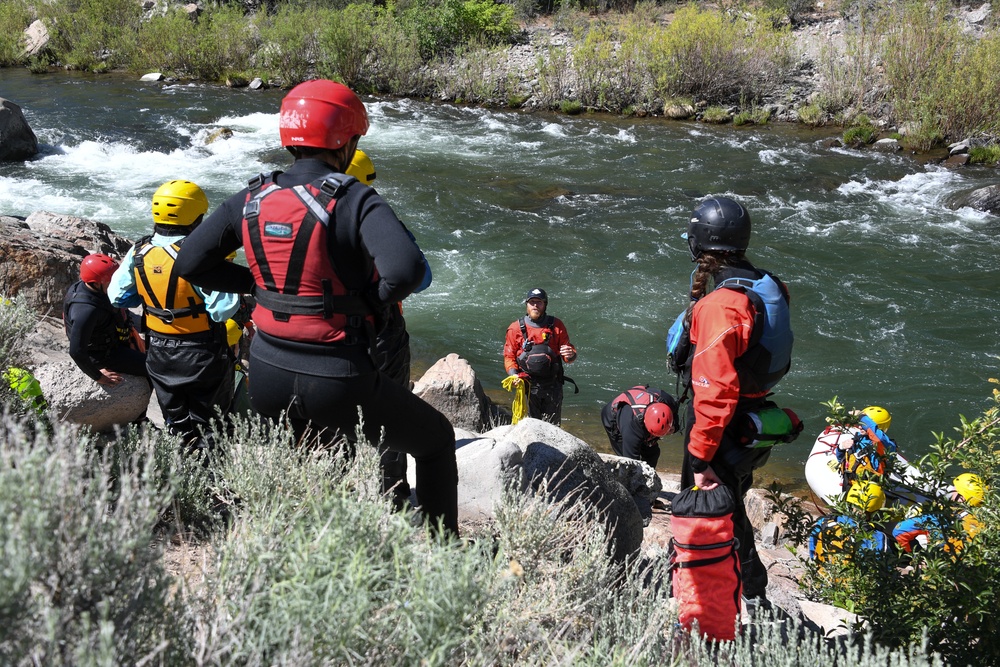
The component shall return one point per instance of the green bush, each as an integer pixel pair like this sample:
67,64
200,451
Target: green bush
860,132
715,57
92,34
346,43
989,154
811,114
944,595
15,16
716,115
82,582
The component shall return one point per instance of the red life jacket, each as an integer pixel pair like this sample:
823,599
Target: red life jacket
704,563
300,296
638,398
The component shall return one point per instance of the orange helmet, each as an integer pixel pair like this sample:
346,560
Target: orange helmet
658,419
97,269
321,114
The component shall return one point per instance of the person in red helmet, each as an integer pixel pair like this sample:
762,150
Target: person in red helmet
327,256
739,347
636,419
100,335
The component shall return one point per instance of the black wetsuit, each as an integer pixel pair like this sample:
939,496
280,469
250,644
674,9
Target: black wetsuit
95,330
325,383
627,433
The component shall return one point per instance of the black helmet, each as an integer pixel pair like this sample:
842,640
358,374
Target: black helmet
719,224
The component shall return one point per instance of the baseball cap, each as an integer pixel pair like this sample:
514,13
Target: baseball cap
537,293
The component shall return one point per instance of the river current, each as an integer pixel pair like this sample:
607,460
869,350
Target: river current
894,294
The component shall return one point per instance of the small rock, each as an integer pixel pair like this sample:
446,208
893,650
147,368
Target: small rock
152,76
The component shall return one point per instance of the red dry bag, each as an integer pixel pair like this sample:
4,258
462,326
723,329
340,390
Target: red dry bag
704,564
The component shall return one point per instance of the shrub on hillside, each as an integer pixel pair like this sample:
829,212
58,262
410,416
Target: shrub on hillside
93,35
15,16
946,594
83,582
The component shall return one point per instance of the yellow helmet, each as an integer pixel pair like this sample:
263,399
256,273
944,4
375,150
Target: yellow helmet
879,415
969,485
869,496
362,168
179,203
233,332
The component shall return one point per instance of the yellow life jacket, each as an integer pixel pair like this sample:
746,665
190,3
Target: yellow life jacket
171,304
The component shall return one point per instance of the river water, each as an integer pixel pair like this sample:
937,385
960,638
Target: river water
894,295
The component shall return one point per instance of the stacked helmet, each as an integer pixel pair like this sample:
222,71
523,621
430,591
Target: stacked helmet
718,224
658,419
321,114
362,168
879,415
179,203
869,496
97,269
970,486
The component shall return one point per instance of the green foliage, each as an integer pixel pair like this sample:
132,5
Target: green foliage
811,114
715,114
861,131
479,75
17,320
790,9
715,57
15,16
441,25
82,581
989,154
346,43
92,34
571,107
945,594
290,43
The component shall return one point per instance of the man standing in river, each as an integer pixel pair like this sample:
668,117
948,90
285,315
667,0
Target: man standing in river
535,348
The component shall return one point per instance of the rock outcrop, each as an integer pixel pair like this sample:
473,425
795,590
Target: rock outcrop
40,255
451,386
74,397
17,140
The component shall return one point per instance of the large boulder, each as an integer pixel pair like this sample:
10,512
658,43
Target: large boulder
451,386
17,141
73,397
36,39
40,256
984,199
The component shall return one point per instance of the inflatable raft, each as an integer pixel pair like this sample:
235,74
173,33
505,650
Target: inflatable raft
824,473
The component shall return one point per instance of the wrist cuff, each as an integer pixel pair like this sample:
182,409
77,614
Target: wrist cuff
697,465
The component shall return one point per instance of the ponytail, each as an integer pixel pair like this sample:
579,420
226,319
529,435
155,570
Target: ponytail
709,264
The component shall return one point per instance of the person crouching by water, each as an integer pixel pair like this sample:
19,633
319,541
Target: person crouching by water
327,256
187,357
102,340
741,343
636,419
536,347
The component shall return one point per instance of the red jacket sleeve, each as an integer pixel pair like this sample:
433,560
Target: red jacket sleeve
512,347
720,329
561,337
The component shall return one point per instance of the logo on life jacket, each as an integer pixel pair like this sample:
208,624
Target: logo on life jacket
300,295
171,303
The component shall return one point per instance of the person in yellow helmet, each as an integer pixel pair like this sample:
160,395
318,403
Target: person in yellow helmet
392,352
945,529
187,357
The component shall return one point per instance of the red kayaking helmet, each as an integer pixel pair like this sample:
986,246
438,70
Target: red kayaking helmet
321,114
97,269
658,419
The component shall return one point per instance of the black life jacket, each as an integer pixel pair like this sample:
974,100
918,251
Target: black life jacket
299,292
541,363
112,331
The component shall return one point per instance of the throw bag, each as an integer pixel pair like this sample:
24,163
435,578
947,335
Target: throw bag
704,564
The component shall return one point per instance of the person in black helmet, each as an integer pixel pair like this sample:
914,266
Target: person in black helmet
741,343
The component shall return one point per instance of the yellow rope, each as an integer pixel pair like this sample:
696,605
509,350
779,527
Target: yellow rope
519,408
